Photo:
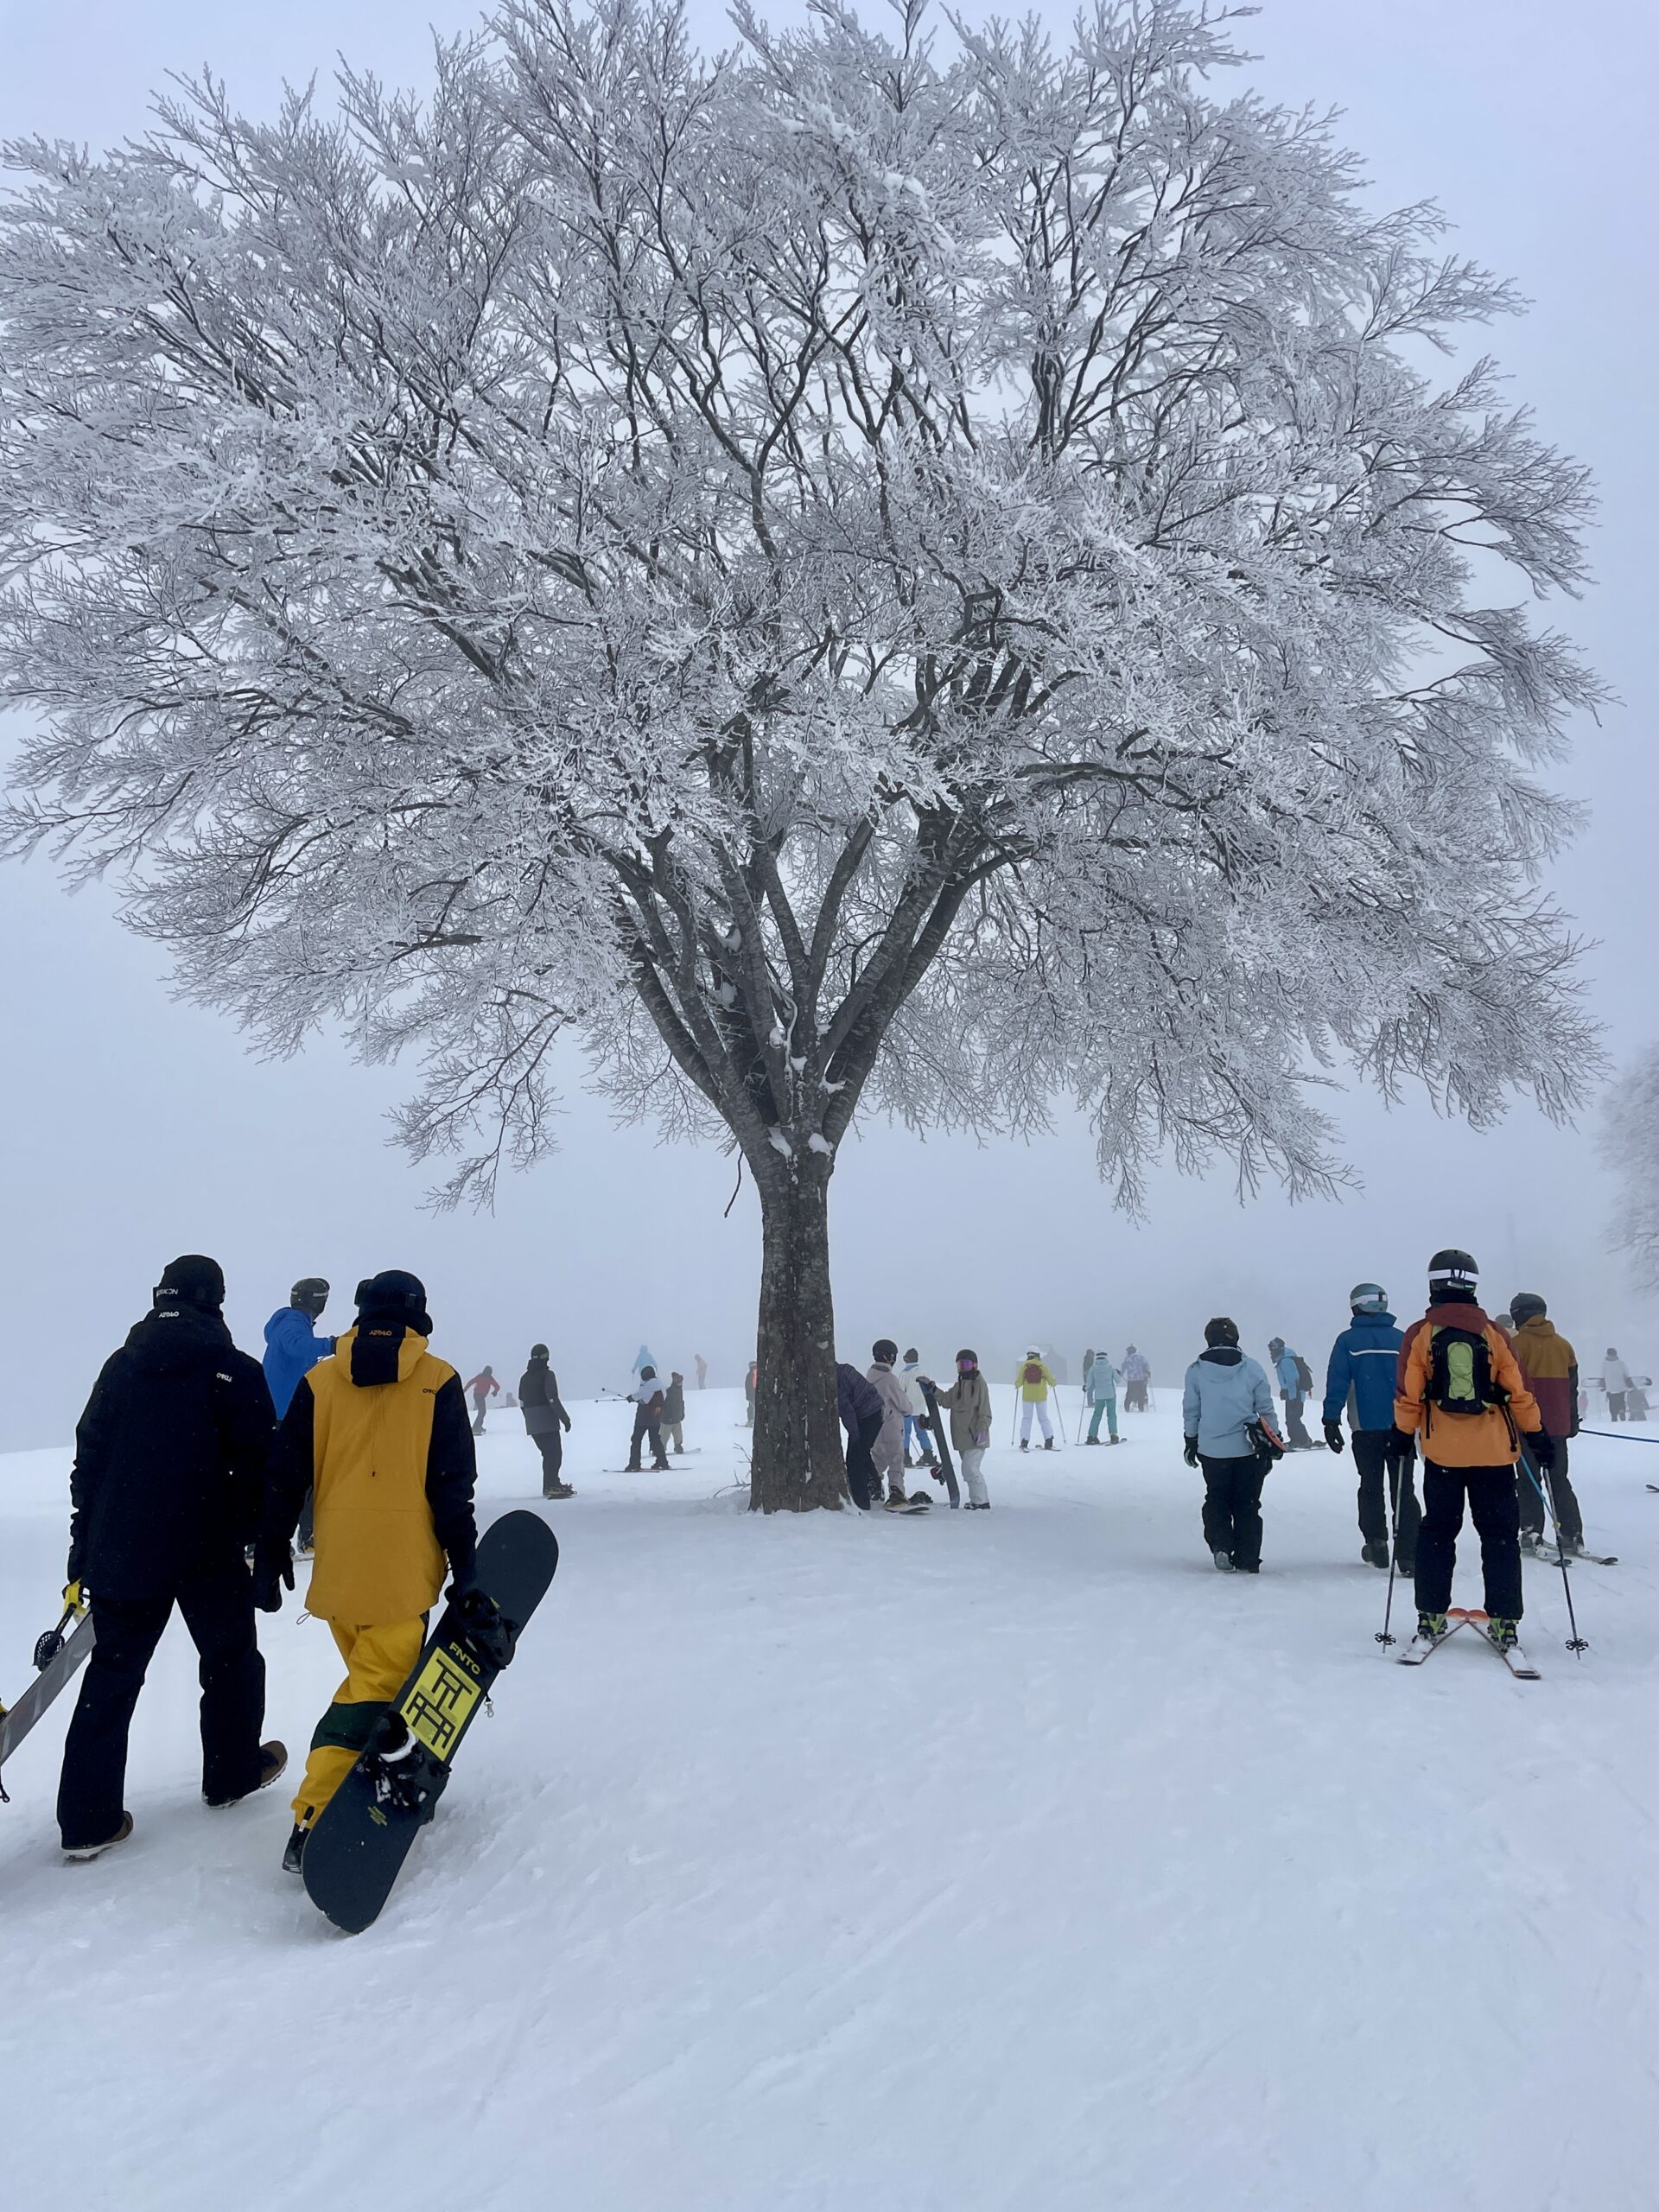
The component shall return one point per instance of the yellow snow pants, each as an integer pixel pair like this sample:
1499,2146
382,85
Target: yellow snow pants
378,1660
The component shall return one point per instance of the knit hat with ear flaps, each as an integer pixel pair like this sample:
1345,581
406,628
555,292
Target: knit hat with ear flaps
191,1281
395,1296
1220,1331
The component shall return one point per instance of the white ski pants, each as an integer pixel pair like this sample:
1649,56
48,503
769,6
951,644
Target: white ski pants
1040,1406
973,1474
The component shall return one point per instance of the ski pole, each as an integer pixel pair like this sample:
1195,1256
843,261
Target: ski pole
1081,1409
1575,1642
1399,1473
1613,1439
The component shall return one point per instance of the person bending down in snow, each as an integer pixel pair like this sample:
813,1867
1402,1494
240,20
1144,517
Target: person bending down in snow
1035,1382
381,1432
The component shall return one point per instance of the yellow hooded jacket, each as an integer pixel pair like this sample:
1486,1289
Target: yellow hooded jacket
393,1465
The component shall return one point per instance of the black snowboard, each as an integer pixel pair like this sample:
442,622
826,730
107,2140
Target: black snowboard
361,1838
941,1444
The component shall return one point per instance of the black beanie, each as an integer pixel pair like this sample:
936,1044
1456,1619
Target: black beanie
191,1279
392,1294
1524,1305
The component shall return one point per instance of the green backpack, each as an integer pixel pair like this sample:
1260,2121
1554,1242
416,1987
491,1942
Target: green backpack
1460,1372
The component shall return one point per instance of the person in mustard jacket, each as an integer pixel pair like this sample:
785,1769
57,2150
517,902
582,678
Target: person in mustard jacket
380,1432
1035,1382
1462,1393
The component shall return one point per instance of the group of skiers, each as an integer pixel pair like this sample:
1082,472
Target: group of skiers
1490,1408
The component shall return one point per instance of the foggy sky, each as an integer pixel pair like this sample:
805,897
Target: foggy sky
135,1128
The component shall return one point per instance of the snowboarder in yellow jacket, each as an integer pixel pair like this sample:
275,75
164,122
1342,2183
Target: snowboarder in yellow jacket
1035,1381
380,1431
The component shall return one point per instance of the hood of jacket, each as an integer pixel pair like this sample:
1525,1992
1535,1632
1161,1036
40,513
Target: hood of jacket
1457,1313
168,1343
379,1351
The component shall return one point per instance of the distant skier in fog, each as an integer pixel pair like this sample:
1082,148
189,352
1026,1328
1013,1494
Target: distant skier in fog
1035,1380
1616,1382
545,1420
482,1388
1100,1392
1291,1371
674,1413
1137,1378
701,1366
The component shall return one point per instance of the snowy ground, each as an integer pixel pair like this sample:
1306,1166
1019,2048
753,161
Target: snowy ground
969,1861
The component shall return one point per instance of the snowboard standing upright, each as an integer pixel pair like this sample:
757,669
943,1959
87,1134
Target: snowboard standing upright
362,1836
941,1444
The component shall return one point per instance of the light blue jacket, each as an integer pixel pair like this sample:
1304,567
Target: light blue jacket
1290,1383
1101,1389
1222,1398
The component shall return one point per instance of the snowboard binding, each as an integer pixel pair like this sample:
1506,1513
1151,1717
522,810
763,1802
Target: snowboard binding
405,1776
486,1630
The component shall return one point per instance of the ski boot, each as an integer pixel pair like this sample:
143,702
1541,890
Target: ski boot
1025,1444
1529,1542
1048,1444
1504,1632
1432,1626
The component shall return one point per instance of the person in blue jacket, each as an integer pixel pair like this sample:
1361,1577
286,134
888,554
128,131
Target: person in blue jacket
1364,1361
1226,1395
1296,1387
292,1350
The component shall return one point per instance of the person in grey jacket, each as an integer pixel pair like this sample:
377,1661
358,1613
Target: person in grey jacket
546,1421
1225,1396
895,1403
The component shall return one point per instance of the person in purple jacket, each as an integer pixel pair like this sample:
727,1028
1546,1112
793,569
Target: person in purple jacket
859,1404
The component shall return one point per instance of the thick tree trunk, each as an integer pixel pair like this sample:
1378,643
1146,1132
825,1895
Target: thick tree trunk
797,1455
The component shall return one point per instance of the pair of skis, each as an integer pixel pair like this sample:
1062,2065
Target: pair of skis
1461,1617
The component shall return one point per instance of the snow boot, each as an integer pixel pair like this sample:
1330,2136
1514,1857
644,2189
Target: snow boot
1025,1444
1376,1555
919,1498
273,1757
1094,1439
1223,1561
80,1852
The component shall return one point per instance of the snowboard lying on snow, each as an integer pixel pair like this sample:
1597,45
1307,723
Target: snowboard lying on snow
357,1848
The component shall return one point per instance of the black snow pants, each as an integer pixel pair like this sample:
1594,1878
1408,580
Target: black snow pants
218,1609
1296,1434
1370,1456
1564,1498
862,1477
1232,1508
1491,1494
552,1448
646,1430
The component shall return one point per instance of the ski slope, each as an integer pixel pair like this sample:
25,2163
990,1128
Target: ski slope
968,1861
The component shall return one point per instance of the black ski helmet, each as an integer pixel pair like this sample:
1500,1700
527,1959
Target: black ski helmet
1452,1270
884,1350
1524,1305
309,1296
539,1351
1220,1331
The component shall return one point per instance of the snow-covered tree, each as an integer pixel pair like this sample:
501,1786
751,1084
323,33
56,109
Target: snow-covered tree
1630,1149
874,572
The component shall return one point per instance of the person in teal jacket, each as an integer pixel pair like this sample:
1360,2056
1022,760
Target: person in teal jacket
1100,1387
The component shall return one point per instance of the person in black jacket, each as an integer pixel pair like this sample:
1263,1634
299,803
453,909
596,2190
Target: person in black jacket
546,1419
170,1461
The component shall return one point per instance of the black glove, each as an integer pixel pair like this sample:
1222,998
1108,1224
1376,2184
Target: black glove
273,1573
1401,1449
1189,1451
1543,1448
1334,1437
565,1418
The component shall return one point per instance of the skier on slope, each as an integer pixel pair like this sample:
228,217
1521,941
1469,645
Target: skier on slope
895,1401
648,1396
545,1420
1100,1391
169,1469
1035,1382
1363,1364
674,1413
1460,1390
482,1388
1616,1382
1291,1372
1226,1396
861,1412
969,1404
701,1366
293,1349
1551,1369
381,1432
1137,1377
916,1419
